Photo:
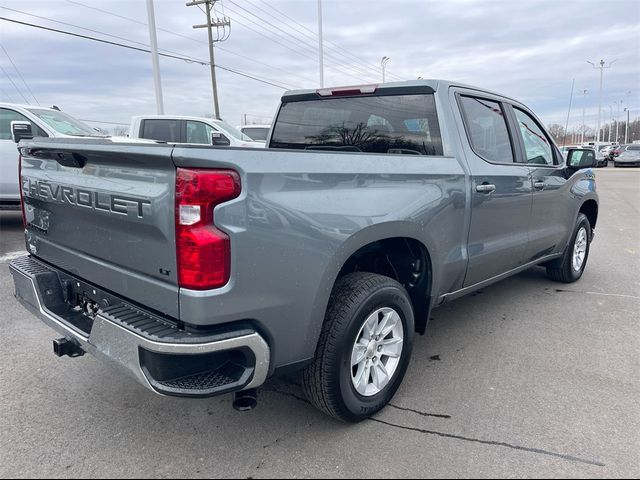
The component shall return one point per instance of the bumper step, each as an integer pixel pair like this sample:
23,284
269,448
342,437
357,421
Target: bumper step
159,353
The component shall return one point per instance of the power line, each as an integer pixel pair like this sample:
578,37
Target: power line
7,95
18,72
187,37
14,85
358,70
131,47
313,35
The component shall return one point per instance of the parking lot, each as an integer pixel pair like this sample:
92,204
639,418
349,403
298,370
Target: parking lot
525,378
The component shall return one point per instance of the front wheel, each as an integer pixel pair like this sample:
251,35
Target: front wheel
572,264
364,347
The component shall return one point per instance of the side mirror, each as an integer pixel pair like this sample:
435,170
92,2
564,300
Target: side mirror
219,140
578,158
21,130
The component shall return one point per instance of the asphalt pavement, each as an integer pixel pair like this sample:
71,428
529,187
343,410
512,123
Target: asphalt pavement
526,378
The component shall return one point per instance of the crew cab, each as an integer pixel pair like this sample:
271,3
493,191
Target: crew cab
202,270
190,130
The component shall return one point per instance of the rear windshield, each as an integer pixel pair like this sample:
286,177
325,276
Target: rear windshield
397,124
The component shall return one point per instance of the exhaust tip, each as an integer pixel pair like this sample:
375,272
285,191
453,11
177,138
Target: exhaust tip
245,401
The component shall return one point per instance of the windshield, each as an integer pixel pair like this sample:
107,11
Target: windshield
233,131
64,124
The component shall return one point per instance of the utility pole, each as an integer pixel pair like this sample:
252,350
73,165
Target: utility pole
320,45
383,64
584,99
564,140
610,126
154,57
218,24
601,66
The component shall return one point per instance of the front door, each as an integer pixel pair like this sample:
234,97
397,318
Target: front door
549,226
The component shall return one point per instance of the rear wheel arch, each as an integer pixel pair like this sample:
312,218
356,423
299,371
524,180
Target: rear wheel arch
404,259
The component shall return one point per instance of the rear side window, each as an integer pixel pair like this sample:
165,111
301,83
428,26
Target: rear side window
398,124
487,129
256,133
634,148
163,130
7,116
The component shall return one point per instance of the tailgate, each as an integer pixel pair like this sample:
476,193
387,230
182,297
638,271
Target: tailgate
104,212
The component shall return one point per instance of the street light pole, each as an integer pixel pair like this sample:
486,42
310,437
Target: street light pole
383,64
626,127
611,116
584,98
618,103
154,57
601,66
320,46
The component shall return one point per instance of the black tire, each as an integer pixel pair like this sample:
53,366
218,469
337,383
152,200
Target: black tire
562,270
327,380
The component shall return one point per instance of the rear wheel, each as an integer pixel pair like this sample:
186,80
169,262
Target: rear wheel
572,264
364,347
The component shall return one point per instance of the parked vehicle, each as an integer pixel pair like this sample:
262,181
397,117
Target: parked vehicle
259,133
616,151
607,151
565,149
189,130
39,122
203,270
628,157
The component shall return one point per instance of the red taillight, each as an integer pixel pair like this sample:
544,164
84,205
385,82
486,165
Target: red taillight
203,251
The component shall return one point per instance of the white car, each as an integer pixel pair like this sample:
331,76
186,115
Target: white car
44,122
189,130
259,133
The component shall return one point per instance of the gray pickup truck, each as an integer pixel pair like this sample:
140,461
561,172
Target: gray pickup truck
202,270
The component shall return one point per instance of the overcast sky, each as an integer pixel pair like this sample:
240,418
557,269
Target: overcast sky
530,50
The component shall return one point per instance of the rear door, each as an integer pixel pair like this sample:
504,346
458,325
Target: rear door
105,213
501,189
550,222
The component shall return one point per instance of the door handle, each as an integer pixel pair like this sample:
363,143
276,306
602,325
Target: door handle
539,185
485,188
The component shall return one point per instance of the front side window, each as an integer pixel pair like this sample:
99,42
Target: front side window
199,132
395,124
536,144
163,130
487,129
7,116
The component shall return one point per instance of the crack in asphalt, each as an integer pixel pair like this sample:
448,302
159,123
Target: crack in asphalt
493,443
424,414
571,458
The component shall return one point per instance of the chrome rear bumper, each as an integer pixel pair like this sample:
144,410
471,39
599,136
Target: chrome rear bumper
156,352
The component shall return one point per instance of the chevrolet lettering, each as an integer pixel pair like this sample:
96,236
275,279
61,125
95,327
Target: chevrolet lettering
44,190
